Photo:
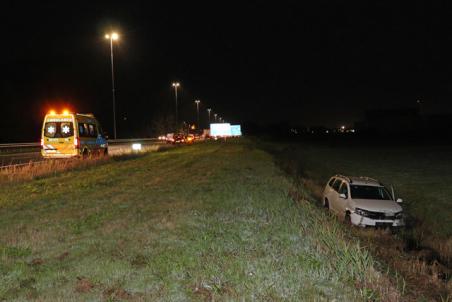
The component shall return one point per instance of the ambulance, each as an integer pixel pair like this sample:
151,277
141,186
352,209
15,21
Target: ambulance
72,135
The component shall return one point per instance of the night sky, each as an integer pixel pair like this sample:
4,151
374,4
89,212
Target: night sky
282,61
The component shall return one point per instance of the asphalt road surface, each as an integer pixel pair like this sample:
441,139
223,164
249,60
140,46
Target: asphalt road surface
26,155
14,158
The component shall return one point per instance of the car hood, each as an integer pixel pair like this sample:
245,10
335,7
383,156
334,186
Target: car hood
375,205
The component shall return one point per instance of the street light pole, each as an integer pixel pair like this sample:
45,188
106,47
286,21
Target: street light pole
215,116
176,85
208,112
197,111
111,37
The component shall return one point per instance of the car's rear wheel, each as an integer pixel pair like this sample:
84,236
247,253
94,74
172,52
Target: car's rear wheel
85,154
326,203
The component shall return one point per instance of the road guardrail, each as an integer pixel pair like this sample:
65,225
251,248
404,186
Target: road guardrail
110,141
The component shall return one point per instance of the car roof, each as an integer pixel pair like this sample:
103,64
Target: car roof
360,180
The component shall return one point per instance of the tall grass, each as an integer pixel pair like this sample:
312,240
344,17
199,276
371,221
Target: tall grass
214,221
43,168
422,251
49,167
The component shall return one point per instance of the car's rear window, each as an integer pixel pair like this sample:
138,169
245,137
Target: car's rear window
58,129
331,182
337,184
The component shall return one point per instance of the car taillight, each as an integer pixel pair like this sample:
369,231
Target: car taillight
76,143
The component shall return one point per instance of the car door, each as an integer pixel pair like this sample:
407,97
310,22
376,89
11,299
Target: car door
342,202
328,188
334,196
101,141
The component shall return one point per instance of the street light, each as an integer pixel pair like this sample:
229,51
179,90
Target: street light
197,111
113,37
208,112
215,116
176,85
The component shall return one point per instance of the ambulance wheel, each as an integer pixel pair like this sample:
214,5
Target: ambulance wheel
85,154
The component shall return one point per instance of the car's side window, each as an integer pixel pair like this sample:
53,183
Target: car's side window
92,130
344,189
86,132
331,182
336,185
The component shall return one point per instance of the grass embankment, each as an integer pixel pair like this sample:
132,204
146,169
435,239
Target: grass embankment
48,167
420,175
33,170
209,221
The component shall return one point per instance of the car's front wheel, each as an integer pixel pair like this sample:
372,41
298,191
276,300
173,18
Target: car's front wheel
348,218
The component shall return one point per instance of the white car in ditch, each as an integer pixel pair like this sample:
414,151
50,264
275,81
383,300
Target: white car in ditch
362,201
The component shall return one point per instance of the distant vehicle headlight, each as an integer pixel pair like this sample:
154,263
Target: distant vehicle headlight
362,212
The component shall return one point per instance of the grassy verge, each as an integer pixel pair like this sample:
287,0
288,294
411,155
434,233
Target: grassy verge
420,175
205,222
33,170
44,168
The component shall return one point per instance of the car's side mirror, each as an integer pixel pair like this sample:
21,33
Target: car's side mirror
343,196
399,200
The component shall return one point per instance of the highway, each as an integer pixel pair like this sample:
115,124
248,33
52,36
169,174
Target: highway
14,158
17,154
